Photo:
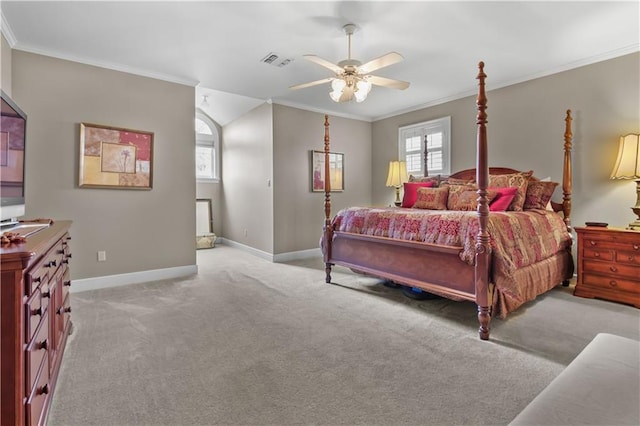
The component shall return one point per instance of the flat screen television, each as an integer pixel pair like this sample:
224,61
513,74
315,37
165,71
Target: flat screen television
13,129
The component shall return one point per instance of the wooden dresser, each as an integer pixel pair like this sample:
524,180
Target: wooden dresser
35,313
609,264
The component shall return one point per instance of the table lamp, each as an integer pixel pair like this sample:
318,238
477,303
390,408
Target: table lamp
397,177
628,167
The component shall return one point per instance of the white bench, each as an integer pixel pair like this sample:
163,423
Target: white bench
601,386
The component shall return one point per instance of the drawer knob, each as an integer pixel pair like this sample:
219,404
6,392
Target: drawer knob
44,390
69,256
61,251
37,311
636,246
65,261
67,283
67,309
630,258
596,254
46,294
613,269
593,243
613,283
37,280
42,345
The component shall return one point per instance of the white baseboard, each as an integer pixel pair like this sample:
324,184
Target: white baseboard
297,255
281,257
95,283
254,251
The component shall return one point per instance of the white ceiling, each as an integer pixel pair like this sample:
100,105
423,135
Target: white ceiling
217,46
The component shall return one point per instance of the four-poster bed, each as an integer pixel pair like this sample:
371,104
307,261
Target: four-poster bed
499,260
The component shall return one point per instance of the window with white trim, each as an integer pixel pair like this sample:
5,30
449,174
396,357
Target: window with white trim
206,149
436,134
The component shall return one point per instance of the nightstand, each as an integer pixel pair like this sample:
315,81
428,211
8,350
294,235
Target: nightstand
609,264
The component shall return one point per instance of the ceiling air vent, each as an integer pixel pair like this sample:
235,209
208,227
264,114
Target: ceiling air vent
275,60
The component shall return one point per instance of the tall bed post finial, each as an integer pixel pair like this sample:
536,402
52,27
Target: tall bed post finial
567,171
483,247
328,229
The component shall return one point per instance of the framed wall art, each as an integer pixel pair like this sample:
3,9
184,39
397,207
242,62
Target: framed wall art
114,157
336,171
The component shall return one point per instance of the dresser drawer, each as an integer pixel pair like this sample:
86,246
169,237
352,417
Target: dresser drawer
614,270
612,243
610,283
35,277
38,398
66,283
597,253
36,352
632,258
45,268
33,314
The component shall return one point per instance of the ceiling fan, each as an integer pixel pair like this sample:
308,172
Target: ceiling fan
352,78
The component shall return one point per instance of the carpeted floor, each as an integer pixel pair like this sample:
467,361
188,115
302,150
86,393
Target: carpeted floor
249,342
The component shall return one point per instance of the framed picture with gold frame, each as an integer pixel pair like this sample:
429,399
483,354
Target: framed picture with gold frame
115,157
336,171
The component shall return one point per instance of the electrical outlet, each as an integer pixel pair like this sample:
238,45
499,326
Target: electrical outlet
102,256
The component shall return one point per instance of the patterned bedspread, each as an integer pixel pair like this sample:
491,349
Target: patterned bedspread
518,239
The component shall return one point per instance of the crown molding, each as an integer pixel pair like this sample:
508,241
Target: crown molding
633,48
321,111
107,65
5,28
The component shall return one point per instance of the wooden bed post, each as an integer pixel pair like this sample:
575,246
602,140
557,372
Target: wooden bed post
328,229
483,247
567,172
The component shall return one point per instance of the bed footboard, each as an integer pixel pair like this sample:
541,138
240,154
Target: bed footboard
434,268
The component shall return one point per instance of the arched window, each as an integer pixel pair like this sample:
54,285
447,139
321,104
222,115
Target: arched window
207,149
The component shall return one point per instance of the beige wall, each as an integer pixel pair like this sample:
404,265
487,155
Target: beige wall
139,230
525,131
299,213
247,170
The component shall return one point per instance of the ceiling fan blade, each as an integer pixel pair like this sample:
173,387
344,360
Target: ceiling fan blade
387,82
311,83
318,60
381,62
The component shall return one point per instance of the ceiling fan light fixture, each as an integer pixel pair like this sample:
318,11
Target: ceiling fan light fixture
335,95
352,78
338,84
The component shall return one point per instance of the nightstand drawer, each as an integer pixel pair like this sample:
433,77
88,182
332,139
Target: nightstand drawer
608,242
613,270
632,258
601,254
612,284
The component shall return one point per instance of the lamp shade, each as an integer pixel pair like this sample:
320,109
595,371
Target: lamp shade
628,163
397,173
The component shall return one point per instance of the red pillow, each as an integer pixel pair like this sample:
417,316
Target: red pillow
503,199
411,192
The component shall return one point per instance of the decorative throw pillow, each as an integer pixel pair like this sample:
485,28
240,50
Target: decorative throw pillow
454,193
456,181
432,198
504,197
411,192
468,200
539,194
519,180
435,179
